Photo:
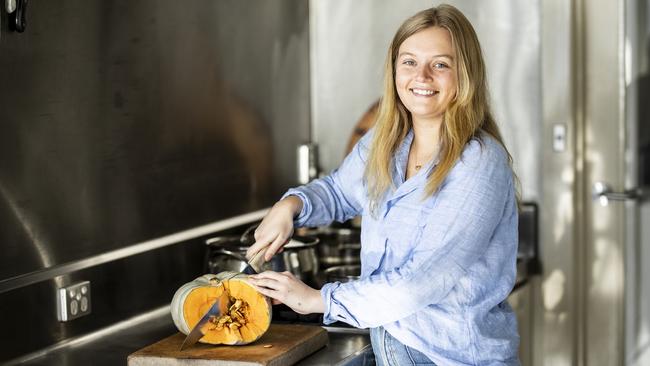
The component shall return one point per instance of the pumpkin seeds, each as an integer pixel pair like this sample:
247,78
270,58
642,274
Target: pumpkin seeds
234,318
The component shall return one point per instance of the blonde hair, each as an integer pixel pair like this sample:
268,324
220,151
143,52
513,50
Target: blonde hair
468,113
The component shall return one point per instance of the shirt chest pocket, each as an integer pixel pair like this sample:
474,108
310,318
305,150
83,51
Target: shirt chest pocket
402,228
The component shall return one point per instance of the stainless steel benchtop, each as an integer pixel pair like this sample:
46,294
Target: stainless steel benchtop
347,346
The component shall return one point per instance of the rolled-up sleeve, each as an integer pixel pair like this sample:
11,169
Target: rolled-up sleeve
338,196
458,230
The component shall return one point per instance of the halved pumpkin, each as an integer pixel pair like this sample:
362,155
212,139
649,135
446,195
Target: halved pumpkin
248,316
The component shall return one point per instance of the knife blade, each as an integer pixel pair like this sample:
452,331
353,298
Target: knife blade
215,310
254,265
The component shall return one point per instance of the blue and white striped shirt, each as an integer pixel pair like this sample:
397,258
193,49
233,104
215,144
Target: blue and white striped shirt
435,271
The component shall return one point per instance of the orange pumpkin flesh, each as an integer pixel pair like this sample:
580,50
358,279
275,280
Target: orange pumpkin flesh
245,321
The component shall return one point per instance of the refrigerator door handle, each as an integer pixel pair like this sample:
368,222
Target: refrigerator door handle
603,193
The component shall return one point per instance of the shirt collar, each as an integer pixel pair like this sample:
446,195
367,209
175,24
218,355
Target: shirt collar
401,159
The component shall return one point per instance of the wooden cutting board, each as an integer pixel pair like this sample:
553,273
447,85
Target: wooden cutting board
289,343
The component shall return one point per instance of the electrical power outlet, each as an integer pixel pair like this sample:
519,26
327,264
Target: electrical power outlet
73,301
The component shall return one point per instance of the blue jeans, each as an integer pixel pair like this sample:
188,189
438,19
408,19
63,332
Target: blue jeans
391,352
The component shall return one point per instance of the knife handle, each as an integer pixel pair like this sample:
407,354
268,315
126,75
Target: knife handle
257,261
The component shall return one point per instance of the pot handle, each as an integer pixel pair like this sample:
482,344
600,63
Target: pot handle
231,254
246,236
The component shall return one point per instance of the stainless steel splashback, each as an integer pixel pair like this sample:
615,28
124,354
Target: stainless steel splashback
123,121
349,41
128,131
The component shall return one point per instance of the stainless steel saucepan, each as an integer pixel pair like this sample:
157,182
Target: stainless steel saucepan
344,273
337,246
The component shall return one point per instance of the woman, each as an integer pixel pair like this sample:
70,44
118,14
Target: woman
435,188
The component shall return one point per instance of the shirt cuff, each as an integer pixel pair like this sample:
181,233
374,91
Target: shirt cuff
305,212
334,311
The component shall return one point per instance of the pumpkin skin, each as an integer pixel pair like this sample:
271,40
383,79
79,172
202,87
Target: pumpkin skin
247,320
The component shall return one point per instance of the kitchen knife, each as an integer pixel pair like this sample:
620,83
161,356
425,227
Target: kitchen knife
219,307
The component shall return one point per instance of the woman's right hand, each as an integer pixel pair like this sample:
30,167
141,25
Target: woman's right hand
276,228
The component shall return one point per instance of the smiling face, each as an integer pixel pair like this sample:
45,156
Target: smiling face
425,74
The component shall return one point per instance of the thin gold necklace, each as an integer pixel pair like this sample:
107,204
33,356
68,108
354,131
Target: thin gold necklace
419,166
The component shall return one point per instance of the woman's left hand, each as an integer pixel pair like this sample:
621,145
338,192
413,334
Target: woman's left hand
284,287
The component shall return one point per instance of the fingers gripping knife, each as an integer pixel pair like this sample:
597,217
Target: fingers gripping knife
221,304
254,266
